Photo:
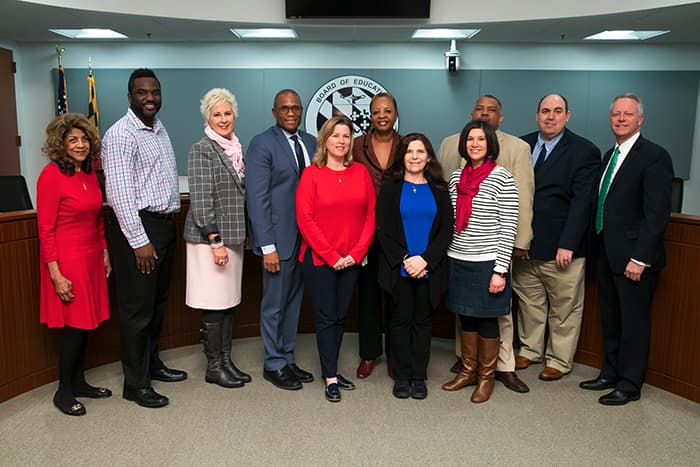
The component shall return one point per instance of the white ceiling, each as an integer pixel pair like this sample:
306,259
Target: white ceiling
29,22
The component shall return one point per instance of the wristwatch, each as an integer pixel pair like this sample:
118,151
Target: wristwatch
216,241
502,274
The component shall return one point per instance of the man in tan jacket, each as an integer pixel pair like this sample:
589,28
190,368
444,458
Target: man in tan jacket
515,156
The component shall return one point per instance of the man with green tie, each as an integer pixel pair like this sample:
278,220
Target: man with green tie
632,209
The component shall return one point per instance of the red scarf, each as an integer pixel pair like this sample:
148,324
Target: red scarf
467,188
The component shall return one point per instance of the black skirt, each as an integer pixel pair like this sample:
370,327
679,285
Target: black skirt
468,292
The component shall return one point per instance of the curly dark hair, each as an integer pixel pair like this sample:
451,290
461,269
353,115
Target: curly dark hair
141,73
55,145
433,169
492,147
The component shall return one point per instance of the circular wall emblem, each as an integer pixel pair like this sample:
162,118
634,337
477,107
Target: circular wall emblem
346,95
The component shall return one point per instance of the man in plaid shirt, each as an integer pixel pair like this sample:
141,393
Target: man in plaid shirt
141,183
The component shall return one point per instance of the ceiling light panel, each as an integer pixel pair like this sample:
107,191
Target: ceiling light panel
625,35
89,33
438,33
265,33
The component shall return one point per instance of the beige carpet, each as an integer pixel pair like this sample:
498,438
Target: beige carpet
555,424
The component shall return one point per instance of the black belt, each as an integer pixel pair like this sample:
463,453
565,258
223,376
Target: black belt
157,215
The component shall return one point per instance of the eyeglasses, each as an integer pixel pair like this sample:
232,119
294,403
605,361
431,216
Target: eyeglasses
285,109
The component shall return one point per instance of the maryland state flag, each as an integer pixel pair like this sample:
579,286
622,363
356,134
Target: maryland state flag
93,114
62,96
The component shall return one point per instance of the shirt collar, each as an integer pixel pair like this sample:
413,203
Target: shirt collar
288,134
550,145
138,123
627,145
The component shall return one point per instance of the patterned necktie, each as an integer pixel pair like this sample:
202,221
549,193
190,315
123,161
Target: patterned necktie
299,153
540,159
604,187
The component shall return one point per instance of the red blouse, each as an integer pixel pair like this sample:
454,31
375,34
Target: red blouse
335,213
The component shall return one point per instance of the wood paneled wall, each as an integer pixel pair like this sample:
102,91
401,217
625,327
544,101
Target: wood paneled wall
28,350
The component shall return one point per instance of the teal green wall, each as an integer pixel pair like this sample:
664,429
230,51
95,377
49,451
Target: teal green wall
433,102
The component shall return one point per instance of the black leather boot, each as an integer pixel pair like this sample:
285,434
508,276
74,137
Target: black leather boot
216,373
227,335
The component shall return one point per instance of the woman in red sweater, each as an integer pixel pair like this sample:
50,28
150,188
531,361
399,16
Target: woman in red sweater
335,213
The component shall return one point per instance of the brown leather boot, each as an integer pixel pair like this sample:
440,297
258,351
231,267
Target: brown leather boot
467,374
488,358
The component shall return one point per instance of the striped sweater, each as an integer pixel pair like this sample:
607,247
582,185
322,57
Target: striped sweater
490,234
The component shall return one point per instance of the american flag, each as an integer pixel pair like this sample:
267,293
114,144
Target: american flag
62,97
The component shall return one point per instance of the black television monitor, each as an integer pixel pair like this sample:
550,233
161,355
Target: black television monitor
298,9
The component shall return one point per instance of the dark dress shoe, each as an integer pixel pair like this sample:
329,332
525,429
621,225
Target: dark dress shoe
168,375
550,374
283,379
457,366
364,369
344,383
402,389
69,406
618,397
418,389
598,384
92,392
333,392
145,397
511,381
301,375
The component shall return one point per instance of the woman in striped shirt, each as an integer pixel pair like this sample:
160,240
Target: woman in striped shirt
485,199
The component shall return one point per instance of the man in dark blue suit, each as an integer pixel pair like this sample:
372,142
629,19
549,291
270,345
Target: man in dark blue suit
632,209
549,281
274,162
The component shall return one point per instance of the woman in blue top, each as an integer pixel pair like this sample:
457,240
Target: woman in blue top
414,228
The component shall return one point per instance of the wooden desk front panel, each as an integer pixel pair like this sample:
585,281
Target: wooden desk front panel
28,350
674,361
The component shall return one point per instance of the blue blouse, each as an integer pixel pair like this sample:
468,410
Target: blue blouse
418,210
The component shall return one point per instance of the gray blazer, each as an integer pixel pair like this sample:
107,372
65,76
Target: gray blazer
217,196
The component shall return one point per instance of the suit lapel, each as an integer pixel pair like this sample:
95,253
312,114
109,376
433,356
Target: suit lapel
226,163
629,160
286,149
555,156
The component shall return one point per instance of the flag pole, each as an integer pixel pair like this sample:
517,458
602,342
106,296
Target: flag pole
62,97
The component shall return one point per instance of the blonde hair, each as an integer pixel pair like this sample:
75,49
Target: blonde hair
214,96
321,157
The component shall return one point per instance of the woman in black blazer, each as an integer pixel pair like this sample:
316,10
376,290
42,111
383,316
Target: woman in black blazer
414,228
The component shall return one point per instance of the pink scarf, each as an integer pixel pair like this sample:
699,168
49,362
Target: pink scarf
231,147
467,188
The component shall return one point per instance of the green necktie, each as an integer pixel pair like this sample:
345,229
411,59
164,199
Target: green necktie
607,178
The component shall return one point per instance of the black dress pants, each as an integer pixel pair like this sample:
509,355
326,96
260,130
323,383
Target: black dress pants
411,329
373,309
142,298
625,317
331,291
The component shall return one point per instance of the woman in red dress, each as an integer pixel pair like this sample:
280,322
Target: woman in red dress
73,251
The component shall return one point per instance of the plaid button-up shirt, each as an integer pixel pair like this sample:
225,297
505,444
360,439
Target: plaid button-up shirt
140,173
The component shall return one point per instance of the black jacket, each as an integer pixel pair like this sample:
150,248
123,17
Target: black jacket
392,239
564,186
637,207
